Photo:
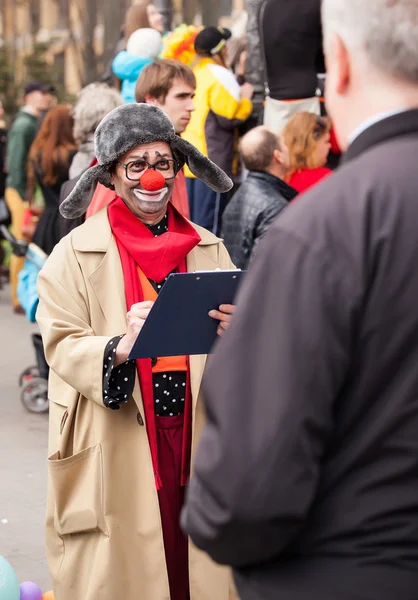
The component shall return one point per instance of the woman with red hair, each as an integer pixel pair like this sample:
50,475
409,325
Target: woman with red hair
50,158
307,138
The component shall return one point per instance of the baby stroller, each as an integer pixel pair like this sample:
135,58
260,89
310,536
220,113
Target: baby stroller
33,380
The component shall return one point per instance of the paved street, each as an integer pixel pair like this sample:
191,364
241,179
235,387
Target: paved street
23,452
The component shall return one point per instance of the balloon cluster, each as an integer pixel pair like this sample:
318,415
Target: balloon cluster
179,44
11,590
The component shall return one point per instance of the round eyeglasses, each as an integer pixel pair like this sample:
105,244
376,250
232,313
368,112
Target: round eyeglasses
134,170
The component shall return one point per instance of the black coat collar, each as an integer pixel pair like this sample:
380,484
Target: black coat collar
404,123
282,187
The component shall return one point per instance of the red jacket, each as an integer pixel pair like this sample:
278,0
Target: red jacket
306,178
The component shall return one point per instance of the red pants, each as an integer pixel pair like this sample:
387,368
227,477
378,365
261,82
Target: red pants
171,497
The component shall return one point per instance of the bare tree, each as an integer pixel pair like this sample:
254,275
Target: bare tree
15,32
90,19
63,14
210,12
190,9
113,13
34,17
4,21
65,19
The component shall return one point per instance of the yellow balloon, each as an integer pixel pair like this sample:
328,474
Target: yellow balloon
48,596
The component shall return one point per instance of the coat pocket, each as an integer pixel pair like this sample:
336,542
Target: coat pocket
77,484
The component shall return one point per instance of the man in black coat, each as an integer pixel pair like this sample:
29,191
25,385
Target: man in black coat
260,198
306,479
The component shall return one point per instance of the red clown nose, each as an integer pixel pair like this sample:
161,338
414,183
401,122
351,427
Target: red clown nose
152,181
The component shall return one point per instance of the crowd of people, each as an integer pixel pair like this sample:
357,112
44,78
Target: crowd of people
296,441
209,100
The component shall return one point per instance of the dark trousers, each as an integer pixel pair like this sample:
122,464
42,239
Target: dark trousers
171,498
206,206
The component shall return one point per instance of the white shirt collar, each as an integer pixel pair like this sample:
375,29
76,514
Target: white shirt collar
30,111
372,121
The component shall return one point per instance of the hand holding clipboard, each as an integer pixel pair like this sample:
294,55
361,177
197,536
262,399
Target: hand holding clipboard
179,322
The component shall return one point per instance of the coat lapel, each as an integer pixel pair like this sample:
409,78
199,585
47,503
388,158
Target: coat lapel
95,238
111,298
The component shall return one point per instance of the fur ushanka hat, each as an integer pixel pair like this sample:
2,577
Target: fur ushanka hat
129,126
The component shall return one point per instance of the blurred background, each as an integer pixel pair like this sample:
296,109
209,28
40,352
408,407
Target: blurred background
68,43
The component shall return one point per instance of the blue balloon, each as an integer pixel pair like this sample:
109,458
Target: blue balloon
9,583
30,591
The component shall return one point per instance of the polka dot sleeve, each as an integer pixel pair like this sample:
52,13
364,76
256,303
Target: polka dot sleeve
118,382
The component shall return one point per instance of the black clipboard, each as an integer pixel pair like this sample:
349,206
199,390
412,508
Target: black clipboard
178,323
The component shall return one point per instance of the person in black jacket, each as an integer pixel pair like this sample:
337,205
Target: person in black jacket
49,161
260,198
306,478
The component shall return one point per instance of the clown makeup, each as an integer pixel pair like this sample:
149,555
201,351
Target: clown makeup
154,197
148,202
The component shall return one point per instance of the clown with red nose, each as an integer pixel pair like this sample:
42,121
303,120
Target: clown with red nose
153,185
152,181
129,423
123,130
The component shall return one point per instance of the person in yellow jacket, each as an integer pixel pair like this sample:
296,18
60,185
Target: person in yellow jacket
221,105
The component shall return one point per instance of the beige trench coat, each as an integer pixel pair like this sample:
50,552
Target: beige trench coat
104,537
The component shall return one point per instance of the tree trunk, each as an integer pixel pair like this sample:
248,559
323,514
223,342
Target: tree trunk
89,55
13,8
4,20
190,8
112,20
210,12
63,14
78,54
35,17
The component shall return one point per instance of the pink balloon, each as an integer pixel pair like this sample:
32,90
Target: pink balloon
30,591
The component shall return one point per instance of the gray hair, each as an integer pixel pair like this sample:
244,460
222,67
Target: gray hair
385,30
94,102
257,148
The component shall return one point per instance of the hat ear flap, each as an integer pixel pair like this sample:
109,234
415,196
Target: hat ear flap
179,158
78,201
203,168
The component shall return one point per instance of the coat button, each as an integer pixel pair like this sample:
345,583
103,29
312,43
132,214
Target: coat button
139,419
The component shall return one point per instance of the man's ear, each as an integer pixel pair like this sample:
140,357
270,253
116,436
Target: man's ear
282,157
150,99
339,61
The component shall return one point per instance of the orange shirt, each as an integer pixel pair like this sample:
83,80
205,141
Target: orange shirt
165,364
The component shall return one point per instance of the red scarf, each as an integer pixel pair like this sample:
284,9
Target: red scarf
157,257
